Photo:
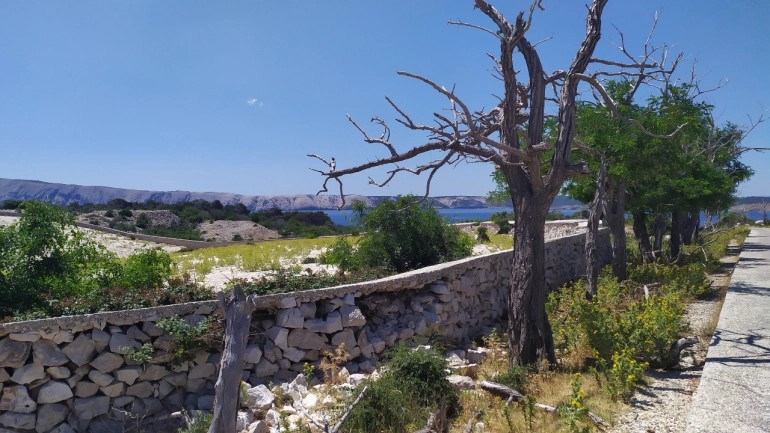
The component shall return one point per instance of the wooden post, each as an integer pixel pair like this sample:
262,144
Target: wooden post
238,311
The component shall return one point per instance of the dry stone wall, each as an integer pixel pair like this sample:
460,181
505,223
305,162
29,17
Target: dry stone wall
72,374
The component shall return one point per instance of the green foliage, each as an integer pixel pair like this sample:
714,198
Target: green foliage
624,374
45,256
342,254
10,204
515,377
288,281
481,234
126,213
574,411
296,223
188,339
401,235
200,423
143,221
145,269
142,355
502,220
414,383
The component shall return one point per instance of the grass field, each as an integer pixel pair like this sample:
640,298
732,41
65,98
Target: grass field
262,256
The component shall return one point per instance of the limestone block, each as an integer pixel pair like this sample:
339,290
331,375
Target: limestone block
81,351
252,354
99,378
259,427
331,324
352,316
440,288
153,372
265,368
363,343
461,382
346,337
377,343
308,309
14,353
366,367
63,336
16,399
129,374
293,354
271,352
122,401
122,344
54,392
202,371
176,379
195,386
91,407
25,336
101,339
290,318
206,402
306,339
137,334
4,375
49,415
405,333
279,336
107,362
164,389
141,389
23,421
115,390
150,329
47,353
28,373
260,398
86,389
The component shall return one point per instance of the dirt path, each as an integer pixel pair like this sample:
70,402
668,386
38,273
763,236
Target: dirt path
662,406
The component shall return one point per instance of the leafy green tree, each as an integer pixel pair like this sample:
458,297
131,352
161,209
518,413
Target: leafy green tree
43,256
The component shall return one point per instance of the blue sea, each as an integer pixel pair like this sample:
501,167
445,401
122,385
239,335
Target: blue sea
342,217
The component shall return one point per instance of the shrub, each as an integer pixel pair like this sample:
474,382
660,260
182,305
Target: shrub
401,235
342,254
45,256
414,383
143,221
188,339
502,220
481,234
146,269
125,213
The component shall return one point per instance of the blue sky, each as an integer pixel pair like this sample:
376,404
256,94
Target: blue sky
230,96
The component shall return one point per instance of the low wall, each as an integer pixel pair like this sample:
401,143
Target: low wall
72,374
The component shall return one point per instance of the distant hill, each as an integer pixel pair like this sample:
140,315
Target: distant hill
64,194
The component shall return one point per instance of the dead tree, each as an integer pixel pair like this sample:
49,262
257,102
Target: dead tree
237,312
511,135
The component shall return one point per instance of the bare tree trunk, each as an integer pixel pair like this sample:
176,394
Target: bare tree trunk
592,232
530,337
691,227
227,389
678,220
642,235
659,231
615,213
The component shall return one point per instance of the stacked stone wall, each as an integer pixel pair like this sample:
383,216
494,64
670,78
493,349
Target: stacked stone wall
73,373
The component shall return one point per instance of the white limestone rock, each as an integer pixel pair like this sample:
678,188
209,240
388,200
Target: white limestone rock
16,399
47,353
81,351
91,407
49,415
306,340
290,318
14,353
260,398
107,362
252,354
28,373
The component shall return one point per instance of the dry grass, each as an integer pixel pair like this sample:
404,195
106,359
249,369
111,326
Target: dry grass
545,385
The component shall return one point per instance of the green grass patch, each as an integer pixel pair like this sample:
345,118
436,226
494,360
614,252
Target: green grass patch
262,256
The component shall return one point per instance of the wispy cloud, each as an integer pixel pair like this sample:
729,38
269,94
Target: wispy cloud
255,101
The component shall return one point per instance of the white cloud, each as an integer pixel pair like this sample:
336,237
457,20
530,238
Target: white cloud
255,101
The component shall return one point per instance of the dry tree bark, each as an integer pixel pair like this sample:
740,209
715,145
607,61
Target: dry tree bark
237,311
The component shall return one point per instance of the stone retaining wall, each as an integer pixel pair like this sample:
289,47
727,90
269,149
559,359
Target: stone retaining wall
72,374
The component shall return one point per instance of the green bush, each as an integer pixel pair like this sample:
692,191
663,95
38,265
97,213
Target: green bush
481,234
402,235
502,220
413,384
188,339
146,269
45,256
342,254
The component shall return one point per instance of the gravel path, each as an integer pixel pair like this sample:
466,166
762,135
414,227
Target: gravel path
662,406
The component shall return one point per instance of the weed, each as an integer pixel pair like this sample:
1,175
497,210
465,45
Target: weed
142,355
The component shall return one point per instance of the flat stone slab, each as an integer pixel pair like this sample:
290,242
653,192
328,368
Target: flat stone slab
734,391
